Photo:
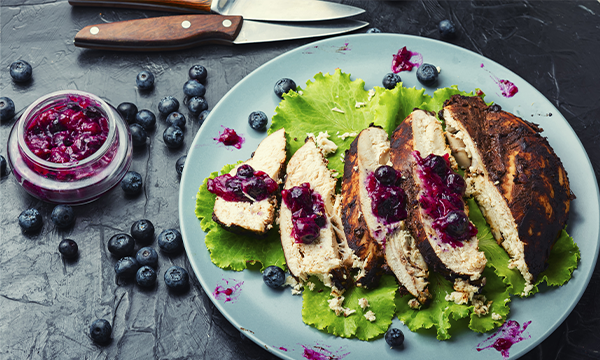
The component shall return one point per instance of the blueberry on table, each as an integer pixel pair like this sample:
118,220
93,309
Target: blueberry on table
390,80
203,115
284,85
258,120
30,220
146,119
394,337
198,72
193,87
197,105
427,74
179,164
7,108
100,331
68,248
128,111
145,80
167,105
143,231
126,267
274,277
20,71
132,183
173,137
170,241
147,256
62,216
447,29
176,119
145,276
373,31
121,245
177,278
138,135
3,166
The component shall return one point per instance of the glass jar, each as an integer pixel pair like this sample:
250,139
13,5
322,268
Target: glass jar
74,182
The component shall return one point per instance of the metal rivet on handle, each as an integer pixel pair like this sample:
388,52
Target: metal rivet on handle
186,24
94,30
226,23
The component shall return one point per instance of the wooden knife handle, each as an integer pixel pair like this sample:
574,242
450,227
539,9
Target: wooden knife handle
161,33
168,5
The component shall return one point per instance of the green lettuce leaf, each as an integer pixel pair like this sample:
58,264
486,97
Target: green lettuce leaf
563,260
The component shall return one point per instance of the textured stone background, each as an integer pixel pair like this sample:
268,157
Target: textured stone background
47,304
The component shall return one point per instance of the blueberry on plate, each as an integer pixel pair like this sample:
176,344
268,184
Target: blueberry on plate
145,80
258,120
100,331
62,216
373,31
284,85
20,71
177,278
197,105
427,74
179,164
126,267
447,29
128,111
146,119
121,245
147,256
390,80
3,166
167,105
30,220
170,241
274,277
138,135
193,87
143,231
132,183
173,137
145,276
7,108
68,248
176,119
198,72
394,337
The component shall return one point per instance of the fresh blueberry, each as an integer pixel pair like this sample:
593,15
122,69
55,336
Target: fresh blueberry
173,137
197,105
20,71
132,183
284,85
427,74
193,87
147,256
176,119
198,72
143,231
7,108
457,223
203,115
62,216
245,171
30,220
145,80
126,267
146,118
100,331
170,241
373,31
274,277
121,245
386,175
68,248
394,337
447,29
145,276
177,278
179,164
2,166
128,111
167,105
258,120
390,80
138,135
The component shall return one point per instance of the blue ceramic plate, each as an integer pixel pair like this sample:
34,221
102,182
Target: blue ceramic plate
273,318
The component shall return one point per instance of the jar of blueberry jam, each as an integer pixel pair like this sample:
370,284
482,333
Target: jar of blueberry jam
69,147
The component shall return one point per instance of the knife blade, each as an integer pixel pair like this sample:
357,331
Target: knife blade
265,10
187,31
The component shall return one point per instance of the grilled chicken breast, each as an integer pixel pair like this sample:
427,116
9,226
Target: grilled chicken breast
518,181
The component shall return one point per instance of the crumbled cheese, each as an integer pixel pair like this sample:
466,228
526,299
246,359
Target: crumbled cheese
348,312
294,284
300,92
335,304
371,94
311,285
347,135
364,303
326,146
336,109
370,316
414,304
480,306
342,158
359,104
496,316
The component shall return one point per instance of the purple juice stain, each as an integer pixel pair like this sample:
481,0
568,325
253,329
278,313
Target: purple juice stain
319,352
402,60
229,137
507,335
507,88
343,48
228,292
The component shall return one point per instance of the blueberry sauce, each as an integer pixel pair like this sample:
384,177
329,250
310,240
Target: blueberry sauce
388,200
227,292
246,185
308,212
68,132
230,138
441,199
401,61
508,88
509,334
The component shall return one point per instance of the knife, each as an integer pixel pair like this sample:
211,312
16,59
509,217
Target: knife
266,10
186,31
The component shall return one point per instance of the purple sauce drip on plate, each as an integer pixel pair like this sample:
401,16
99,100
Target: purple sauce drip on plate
320,353
401,61
229,137
227,292
507,88
507,335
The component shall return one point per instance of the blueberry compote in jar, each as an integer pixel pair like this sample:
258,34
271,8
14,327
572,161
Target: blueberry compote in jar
69,147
